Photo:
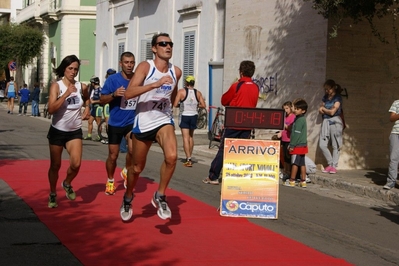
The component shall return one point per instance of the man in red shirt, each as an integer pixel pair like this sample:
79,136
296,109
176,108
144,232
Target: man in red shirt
243,93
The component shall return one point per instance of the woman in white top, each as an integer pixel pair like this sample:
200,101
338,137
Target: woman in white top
66,98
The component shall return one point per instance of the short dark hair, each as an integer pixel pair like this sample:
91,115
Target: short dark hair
126,54
247,68
301,104
330,83
59,71
155,37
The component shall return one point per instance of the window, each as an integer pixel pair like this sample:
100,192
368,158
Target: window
189,53
146,52
121,49
28,2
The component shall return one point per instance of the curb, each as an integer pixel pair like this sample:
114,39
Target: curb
374,192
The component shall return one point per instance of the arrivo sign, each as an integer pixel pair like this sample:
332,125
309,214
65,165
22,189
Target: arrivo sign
262,118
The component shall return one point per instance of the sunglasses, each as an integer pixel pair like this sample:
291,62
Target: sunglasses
164,44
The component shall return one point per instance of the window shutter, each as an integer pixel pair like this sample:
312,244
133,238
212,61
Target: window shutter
121,49
189,53
146,52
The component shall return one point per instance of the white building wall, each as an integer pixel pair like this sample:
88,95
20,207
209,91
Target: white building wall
139,20
287,40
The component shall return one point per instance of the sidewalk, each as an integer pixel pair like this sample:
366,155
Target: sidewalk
365,183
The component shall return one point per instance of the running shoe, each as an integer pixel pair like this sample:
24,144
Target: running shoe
302,184
162,205
87,138
124,176
188,163
289,183
52,200
70,194
110,188
126,210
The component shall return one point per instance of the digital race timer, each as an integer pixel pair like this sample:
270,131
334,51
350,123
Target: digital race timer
242,117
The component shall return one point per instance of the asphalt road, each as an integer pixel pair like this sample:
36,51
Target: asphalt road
359,230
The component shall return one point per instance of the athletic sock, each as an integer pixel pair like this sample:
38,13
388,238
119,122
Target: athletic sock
158,195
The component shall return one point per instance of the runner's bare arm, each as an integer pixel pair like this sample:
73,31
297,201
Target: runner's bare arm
201,100
135,87
178,76
178,98
86,100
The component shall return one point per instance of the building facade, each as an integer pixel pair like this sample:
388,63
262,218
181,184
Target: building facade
195,27
69,28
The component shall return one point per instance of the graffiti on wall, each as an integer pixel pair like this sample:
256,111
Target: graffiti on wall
267,84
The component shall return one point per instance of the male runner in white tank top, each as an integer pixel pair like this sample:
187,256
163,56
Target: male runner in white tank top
189,100
155,82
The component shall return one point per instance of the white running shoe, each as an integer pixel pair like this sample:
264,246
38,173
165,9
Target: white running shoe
126,210
162,205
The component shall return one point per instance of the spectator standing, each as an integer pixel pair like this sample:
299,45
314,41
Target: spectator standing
66,98
11,93
121,117
243,93
35,100
285,137
332,126
24,93
155,84
298,144
189,99
393,146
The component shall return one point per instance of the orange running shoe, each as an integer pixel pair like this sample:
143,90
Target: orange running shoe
110,188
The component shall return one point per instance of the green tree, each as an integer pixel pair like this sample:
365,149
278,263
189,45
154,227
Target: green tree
358,10
21,43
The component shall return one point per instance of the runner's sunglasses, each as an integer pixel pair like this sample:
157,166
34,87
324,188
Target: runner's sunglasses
164,44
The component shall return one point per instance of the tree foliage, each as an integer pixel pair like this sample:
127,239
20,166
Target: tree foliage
357,10
21,43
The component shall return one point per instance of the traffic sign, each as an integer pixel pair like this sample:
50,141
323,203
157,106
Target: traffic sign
12,66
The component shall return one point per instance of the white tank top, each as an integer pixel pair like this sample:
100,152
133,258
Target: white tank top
11,87
154,108
68,117
190,104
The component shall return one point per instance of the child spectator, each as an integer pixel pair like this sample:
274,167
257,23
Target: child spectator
285,138
298,143
24,93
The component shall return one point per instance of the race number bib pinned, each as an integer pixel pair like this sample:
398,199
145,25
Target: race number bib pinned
73,101
128,104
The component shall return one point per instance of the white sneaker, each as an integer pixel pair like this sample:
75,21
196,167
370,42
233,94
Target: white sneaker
126,210
162,205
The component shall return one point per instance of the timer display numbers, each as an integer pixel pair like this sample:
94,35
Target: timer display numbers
262,118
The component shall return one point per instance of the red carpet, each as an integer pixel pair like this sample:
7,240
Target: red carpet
91,228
